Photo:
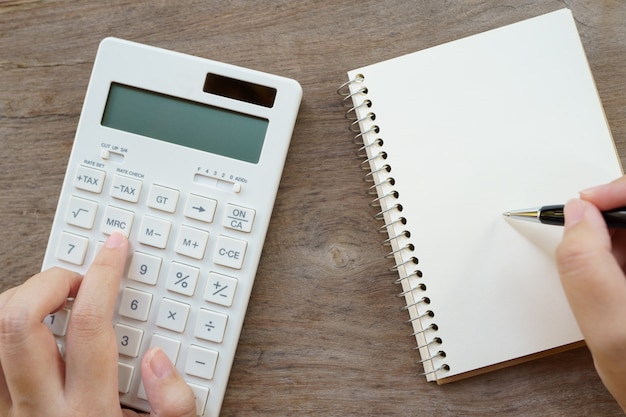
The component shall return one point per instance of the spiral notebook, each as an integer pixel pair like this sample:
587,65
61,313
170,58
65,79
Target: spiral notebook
455,135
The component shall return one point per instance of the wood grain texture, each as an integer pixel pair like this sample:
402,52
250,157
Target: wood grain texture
324,334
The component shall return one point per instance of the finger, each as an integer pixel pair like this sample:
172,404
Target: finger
596,289
5,398
91,353
168,394
6,296
28,352
607,196
130,413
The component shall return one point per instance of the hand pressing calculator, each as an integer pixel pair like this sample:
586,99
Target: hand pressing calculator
184,155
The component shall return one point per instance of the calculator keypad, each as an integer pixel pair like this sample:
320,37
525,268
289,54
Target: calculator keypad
172,253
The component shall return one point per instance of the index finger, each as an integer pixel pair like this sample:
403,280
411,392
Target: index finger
607,196
91,353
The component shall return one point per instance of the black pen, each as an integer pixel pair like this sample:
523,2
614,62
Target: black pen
614,219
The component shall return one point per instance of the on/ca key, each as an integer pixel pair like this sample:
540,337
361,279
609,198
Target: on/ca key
239,218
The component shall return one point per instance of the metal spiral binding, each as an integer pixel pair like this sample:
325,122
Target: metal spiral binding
362,151
435,340
399,220
408,247
373,189
444,367
422,287
376,202
416,274
366,163
361,113
357,122
424,300
369,177
428,313
365,103
431,326
358,139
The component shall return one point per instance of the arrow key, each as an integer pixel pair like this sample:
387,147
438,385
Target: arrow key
200,208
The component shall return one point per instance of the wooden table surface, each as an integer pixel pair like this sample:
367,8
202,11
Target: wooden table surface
324,334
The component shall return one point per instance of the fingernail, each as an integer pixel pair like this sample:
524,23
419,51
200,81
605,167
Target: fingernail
115,240
591,190
160,364
574,212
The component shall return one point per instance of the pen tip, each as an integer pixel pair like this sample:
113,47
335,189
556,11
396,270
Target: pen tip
507,214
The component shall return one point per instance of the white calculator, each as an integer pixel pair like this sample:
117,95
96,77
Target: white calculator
184,155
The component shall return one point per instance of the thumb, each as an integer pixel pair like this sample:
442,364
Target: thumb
168,394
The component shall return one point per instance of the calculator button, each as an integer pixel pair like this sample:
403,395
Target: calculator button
191,242
81,212
170,346
57,321
238,218
163,198
210,325
89,179
144,268
141,392
135,304
182,278
201,362
200,208
230,252
172,315
72,248
201,394
117,219
154,232
128,340
124,377
220,289
126,189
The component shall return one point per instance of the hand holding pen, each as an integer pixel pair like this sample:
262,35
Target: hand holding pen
591,263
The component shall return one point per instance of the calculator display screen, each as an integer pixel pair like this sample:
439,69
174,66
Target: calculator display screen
184,122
